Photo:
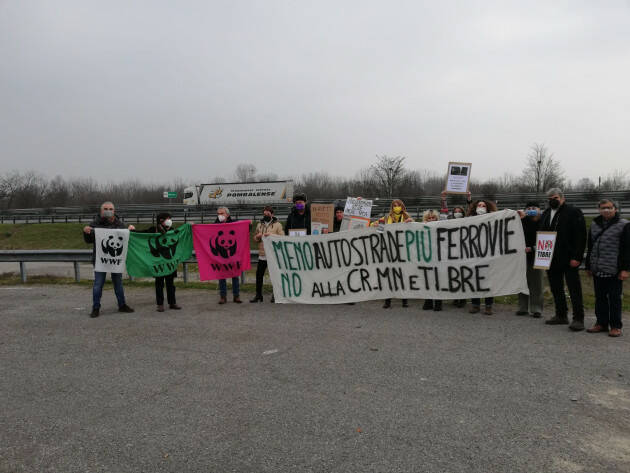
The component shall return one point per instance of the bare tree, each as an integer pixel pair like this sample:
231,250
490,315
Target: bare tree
542,171
245,173
615,181
388,172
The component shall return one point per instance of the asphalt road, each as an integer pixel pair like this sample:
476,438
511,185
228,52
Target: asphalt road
286,388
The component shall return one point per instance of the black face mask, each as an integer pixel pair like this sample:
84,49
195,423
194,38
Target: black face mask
266,218
554,204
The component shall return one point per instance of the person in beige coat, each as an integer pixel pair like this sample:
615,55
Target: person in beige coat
268,225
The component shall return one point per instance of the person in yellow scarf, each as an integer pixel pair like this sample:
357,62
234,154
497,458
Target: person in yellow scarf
397,214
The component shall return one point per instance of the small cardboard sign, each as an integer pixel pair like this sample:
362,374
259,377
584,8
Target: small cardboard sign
322,218
545,245
458,177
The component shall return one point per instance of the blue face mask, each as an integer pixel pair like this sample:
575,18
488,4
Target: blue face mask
531,213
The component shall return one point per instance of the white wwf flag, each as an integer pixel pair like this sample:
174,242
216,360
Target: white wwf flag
110,247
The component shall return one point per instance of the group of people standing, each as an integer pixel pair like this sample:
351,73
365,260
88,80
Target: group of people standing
607,258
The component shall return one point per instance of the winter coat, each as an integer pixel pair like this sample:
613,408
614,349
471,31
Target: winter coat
571,234
608,246
159,229
274,227
295,220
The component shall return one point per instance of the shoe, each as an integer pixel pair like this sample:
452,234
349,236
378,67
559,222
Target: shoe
256,299
387,304
460,303
273,299
488,310
125,308
222,300
577,325
537,315
237,300
557,321
428,304
174,306
95,313
405,303
160,308
614,332
596,329
437,306
522,312
474,309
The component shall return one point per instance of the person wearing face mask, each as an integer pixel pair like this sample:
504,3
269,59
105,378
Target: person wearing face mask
481,207
608,262
164,223
568,223
268,225
397,214
223,216
532,303
300,216
107,218
338,218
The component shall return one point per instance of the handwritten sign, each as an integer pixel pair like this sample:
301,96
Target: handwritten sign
356,213
322,217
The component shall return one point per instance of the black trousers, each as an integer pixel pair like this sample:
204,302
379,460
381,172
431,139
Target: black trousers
261,267
556,283
487,300
170,289
608,301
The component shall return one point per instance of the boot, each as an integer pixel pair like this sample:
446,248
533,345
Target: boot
428,304
437,306
388,304
273,299
256,298
577,325
222,300
474,309
488,310
237,300
174,306
557,320
160,308
405,303
95,313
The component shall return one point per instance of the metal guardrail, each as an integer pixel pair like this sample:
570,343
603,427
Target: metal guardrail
76,257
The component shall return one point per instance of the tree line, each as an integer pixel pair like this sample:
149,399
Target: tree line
387,177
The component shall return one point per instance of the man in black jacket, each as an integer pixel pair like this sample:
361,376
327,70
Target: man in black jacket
568,223
106,219
534,301
300,216
608,261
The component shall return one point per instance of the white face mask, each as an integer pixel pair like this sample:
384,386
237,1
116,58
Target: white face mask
458,215
168,222
481,210
222,218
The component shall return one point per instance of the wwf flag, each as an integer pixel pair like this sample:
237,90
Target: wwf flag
158,254
110,249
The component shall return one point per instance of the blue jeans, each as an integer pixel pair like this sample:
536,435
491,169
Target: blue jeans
223,287
97,290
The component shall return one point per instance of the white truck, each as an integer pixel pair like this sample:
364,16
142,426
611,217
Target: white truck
239,193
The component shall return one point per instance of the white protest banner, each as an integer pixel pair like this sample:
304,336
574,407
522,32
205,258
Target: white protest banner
545,244
478,256
356,213
110,250
458,177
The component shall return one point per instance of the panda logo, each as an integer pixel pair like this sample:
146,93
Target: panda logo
112,245
224,244
164,245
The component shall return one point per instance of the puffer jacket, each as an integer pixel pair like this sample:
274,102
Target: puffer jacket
608,246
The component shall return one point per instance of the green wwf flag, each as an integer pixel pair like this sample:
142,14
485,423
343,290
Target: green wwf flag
158,254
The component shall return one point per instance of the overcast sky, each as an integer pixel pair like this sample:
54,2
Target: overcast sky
154,89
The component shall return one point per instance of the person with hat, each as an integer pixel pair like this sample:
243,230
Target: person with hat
300,216
338,217
532,303
164,223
